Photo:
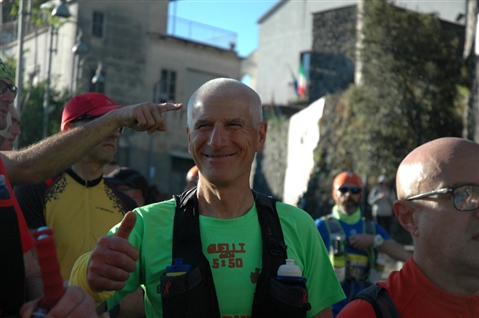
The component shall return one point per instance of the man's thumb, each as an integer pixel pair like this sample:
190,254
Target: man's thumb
126,225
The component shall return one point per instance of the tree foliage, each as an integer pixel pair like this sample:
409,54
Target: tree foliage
411,78
412,69
32,109
32,114
39,14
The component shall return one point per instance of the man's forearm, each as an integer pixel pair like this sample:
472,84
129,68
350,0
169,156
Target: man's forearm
52,155
394,250
56,153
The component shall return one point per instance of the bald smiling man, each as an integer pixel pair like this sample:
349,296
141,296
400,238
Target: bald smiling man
438,191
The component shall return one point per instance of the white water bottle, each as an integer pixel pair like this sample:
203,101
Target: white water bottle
290,274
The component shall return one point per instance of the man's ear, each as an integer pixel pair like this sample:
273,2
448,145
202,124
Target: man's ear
407,216
188,135
262,128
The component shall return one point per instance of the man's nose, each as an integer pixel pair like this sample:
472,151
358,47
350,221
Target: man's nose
218,137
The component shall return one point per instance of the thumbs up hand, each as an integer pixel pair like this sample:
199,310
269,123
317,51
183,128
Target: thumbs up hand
113,258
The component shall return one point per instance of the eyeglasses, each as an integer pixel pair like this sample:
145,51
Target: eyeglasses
464,197
3,88
353,190
90,117
84,117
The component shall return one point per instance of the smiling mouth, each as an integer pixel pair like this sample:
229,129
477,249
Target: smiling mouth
218,156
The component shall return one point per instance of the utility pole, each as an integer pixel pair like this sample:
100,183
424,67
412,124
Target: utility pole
18,73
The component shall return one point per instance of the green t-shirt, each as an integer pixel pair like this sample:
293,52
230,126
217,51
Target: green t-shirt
233,248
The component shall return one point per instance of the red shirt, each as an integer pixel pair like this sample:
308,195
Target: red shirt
416,296
27,240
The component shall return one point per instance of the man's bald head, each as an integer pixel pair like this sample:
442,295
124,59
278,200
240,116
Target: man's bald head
431,165
225,86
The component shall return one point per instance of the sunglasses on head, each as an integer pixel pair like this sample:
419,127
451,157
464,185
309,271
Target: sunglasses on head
352,190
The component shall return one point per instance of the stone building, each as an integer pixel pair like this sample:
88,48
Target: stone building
286,40
132,46
322,36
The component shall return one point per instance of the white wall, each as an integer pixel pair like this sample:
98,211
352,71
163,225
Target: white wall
303,138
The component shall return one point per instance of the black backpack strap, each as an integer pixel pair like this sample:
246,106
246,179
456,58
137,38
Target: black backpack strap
379,298
186,228
274,251
187,245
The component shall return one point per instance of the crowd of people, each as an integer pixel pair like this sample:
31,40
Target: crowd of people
215,249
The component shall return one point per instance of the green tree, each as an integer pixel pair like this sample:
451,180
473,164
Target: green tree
32,113
32,109
411,78
37,15
412,69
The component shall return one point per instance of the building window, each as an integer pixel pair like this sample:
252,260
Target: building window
167,86
97,27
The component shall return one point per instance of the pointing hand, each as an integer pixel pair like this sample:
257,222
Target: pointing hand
144,117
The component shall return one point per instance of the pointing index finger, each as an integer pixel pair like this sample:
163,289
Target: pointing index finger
170,106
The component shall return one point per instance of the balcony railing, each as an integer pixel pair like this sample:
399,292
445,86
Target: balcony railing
178,27
202,33
9,31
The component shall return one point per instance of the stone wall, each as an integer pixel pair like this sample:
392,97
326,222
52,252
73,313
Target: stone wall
270,165
333,41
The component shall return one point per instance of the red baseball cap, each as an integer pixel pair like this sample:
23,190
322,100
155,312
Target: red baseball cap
347,177
93,104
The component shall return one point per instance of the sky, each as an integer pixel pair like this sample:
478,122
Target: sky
239,16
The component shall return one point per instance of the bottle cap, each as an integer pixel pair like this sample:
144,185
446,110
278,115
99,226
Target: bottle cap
178,266
289,269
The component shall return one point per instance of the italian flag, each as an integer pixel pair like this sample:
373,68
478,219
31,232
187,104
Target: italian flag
301,81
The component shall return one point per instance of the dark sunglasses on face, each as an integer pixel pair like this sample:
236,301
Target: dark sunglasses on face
352,190
4,86
90,117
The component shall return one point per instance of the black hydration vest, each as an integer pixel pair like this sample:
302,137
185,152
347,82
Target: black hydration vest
194,295
379,298
12,268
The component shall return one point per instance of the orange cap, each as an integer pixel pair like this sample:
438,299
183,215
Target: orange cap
347,177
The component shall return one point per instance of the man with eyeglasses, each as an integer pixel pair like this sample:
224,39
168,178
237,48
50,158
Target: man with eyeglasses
78,204
438,190
352,241
19,274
